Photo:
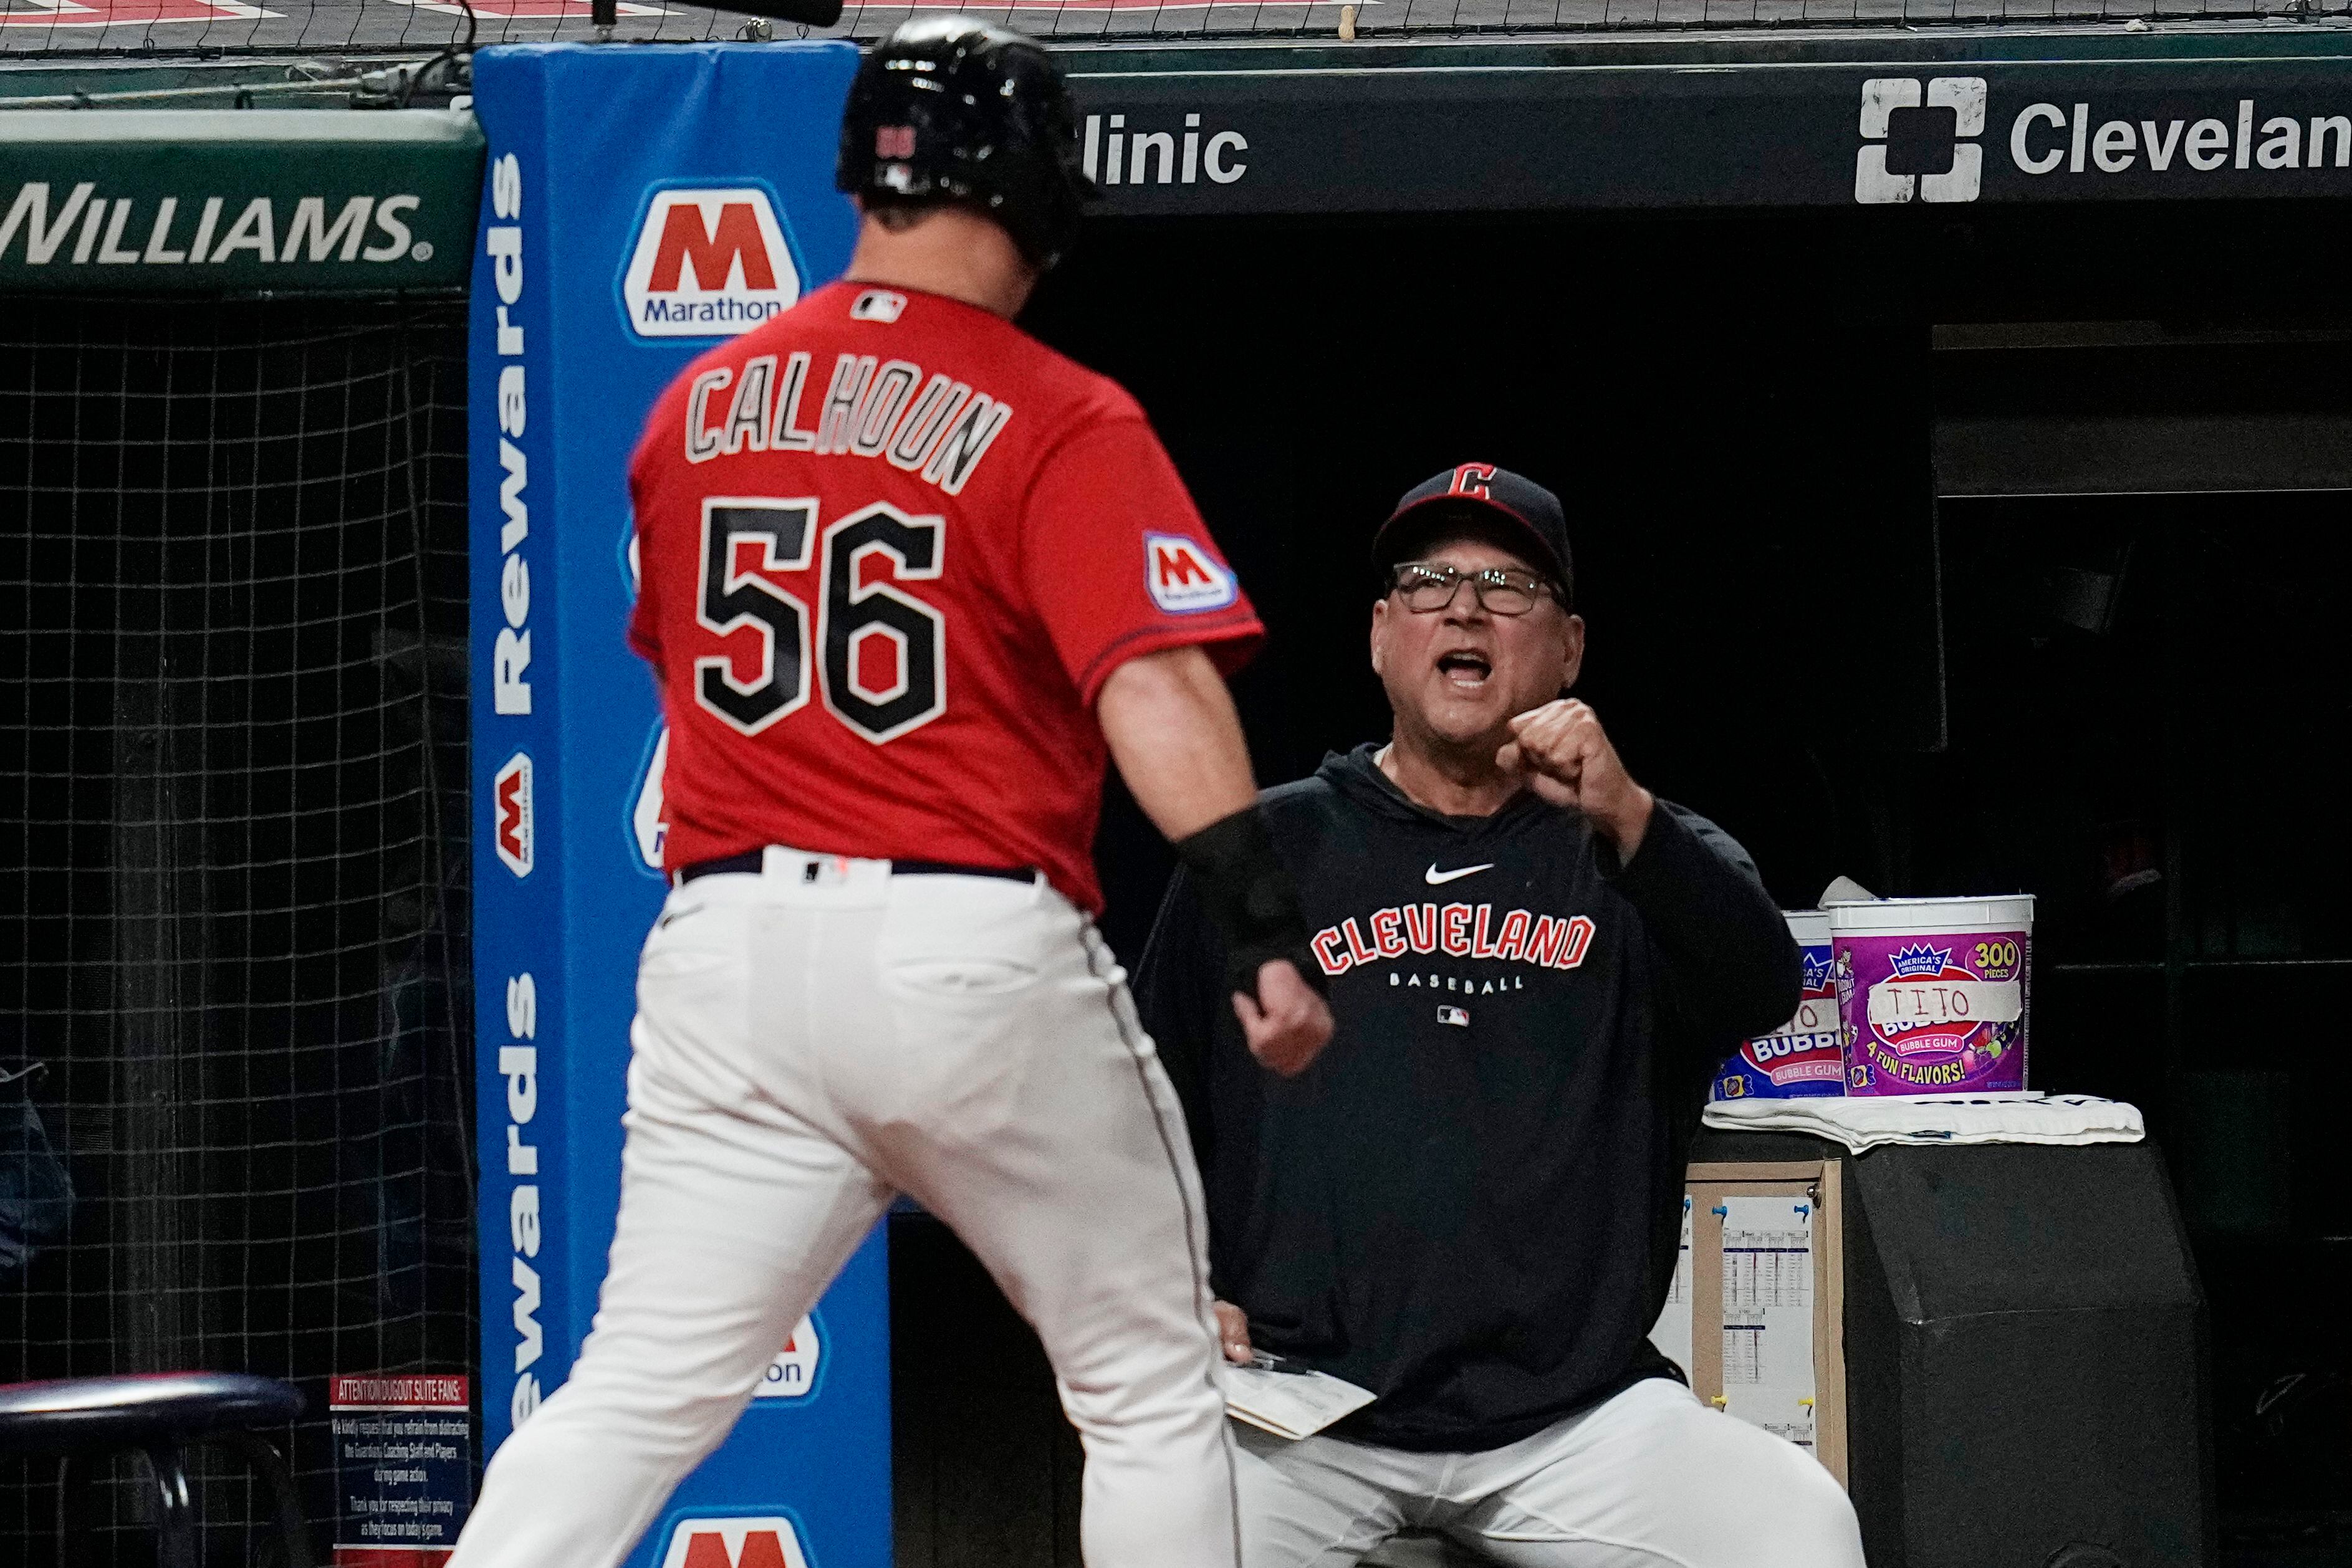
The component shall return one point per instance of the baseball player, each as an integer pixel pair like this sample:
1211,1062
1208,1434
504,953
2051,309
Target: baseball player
907,578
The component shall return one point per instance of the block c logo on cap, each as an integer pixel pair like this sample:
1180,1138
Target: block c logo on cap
768,1540
707,263
1475,479
1184,579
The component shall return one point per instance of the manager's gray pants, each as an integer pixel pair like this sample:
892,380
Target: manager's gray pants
1651,1478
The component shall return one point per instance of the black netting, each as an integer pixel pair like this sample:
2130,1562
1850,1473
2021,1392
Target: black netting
233,905
151,29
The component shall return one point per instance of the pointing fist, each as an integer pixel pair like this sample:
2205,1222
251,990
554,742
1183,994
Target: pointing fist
1561,753
1287,1025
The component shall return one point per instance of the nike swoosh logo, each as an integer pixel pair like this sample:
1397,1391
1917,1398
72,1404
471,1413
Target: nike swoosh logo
1436,878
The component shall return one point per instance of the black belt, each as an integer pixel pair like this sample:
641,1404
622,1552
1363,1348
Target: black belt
754,861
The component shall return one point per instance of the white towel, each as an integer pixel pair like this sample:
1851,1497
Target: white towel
1866,1122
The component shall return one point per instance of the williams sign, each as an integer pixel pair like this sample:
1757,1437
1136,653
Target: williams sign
238,201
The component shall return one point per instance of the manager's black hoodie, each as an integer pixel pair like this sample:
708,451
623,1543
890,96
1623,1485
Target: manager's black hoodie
1471,1204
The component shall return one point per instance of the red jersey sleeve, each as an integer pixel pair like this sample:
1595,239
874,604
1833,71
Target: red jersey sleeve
645,631
1117,561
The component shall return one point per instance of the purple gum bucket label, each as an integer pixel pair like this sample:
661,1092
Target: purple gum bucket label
1804,1058
1934,1011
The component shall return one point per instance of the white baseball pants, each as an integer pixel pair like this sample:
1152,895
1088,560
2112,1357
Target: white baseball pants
1651,1478
808,1042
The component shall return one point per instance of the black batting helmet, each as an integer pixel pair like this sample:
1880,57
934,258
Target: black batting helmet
948,108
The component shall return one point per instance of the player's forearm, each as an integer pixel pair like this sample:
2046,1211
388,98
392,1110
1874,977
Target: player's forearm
1172,732
1171,728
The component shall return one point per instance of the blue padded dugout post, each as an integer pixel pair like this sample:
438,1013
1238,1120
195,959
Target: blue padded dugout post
639,205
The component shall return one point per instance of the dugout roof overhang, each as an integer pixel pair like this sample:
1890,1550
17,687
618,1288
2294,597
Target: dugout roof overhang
1935,119
1774,119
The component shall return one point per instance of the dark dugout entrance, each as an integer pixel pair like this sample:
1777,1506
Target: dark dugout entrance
1951,548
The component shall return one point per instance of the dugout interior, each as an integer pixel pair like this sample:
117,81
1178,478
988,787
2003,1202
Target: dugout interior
1950,549
234,940
1952,553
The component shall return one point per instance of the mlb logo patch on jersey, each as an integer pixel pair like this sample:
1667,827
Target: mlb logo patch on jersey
877,305
768,1541
1184,579
707,263
511,816
1458,1017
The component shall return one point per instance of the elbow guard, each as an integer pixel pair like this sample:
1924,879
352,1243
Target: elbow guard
1250,899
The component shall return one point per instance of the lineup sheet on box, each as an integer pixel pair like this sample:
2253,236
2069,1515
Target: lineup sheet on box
1767,1313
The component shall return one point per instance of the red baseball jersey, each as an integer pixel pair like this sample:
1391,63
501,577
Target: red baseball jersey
889,547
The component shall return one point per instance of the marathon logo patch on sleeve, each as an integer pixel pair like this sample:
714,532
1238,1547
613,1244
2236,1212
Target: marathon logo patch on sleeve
1184,579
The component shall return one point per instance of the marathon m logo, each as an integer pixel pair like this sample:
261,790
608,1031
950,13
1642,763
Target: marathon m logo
707,263
792,1374
1919,141
768,1542
511,828
649,808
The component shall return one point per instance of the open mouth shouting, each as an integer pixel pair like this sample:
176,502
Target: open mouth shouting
1465,669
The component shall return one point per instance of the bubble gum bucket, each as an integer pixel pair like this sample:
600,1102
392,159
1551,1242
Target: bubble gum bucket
1804,1058
1933,992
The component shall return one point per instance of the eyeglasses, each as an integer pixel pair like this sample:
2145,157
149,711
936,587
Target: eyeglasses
1428,586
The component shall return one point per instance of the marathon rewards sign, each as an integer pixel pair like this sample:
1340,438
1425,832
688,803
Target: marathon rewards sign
637,206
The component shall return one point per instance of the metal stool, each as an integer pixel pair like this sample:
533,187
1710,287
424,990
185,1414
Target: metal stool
159,1414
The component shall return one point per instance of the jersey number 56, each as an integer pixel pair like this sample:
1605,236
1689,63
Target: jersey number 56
730,600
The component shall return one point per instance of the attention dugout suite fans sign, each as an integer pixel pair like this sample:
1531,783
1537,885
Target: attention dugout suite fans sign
404,1468
639,207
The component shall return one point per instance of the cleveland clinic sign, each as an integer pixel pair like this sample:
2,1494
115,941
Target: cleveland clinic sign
1395,135
1923,141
